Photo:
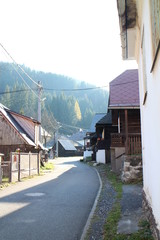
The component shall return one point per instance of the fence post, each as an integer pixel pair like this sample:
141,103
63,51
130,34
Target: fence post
10,166
38,165
19,165
29,163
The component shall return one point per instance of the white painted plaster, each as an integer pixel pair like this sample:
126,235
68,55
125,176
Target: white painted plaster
87,154
100,156
150,115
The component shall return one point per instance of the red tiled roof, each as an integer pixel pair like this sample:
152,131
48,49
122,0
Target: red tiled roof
124,90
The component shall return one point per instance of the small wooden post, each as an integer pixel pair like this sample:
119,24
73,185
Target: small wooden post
10,173
19,165
126,130
29,163
38,163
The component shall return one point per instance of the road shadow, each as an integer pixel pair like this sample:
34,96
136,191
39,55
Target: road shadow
58,207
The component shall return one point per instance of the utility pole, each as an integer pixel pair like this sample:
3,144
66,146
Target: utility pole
39,106
57,144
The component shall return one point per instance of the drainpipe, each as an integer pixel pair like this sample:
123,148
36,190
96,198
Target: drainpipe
126,29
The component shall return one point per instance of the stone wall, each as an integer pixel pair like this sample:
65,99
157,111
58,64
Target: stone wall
150,217
132,168
117,159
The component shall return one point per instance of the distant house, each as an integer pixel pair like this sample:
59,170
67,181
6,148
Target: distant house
66,148
45,136
78,141
91,137
140,40
79,145
125,107
17,131
104,129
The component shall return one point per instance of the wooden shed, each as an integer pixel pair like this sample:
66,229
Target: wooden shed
66,148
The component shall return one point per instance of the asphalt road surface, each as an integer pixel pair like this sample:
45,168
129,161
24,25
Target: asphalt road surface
52,207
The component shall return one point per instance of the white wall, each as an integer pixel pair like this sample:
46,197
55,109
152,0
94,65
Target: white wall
87,154
100,156
150,115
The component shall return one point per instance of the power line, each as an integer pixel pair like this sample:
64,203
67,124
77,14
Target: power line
71,126
18,72
25,81
18,65
73,90
61,90
15,91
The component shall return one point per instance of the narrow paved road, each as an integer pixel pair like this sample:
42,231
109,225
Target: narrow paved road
52,207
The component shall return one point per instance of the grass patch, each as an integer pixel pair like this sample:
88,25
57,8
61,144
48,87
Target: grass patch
88,159
115,181
143,234
47,166
5,180
110,228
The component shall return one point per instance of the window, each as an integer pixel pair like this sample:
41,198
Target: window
155,28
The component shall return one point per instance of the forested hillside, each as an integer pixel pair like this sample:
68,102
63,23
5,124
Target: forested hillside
63,103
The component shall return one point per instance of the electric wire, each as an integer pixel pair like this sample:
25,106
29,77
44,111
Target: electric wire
15,91
74,90
19,65
62,90
18,72
72,126
25,81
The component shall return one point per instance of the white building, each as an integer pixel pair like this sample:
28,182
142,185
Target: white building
140,39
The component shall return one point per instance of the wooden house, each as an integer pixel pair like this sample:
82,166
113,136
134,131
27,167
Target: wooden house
66,148
17,131
91,137
104,129
125,107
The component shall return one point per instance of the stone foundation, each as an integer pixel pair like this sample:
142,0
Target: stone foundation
117,159
132,168
150,217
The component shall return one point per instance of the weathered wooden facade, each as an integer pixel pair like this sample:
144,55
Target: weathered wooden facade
124,103
104,129
17,131
66,148
91,138
129,130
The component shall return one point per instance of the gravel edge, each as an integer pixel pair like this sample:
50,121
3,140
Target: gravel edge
103,205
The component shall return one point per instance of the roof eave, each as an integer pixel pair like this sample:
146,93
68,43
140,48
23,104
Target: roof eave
123,107
24,117
127,13
28,142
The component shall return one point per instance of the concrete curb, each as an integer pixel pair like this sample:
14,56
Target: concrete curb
93,208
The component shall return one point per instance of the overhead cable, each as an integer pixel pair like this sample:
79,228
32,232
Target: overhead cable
24,81
73,90
18,65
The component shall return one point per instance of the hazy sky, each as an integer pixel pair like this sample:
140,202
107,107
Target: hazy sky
77,38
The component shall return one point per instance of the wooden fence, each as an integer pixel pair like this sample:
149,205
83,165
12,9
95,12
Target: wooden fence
23,165
20,165
133,145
